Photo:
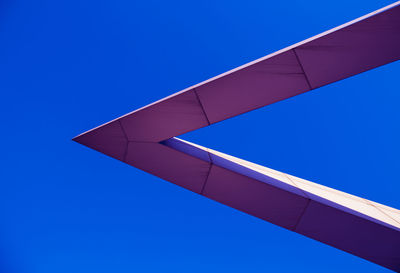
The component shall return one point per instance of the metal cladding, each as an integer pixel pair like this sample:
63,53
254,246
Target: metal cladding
146,139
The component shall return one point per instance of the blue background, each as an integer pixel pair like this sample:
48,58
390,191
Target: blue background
68,66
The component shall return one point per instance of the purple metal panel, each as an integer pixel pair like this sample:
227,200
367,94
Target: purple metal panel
323,201
356,235
169,164
260,84
370,43
108,139
168,118
229,165
256,198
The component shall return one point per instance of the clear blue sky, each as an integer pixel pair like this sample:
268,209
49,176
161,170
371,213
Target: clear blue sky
68,66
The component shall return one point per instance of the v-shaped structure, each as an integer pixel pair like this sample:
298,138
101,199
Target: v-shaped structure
145,138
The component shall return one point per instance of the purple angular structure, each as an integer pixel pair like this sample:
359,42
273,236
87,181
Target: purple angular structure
146,139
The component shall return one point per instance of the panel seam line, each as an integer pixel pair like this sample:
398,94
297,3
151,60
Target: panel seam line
201,106
205,181
383,212
127,140
302,214
123,130
297,186
302,68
